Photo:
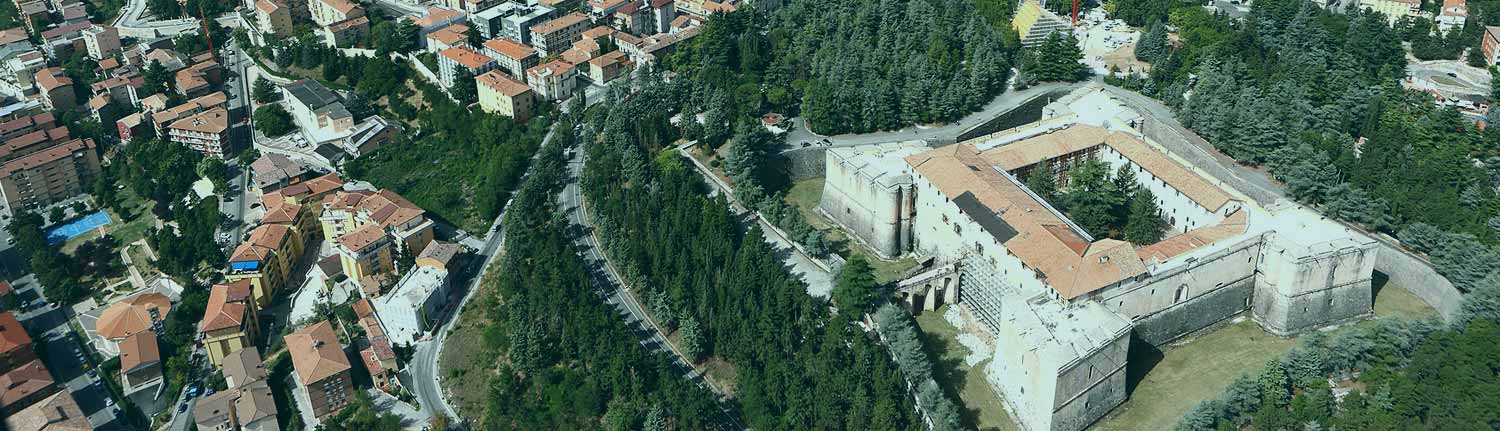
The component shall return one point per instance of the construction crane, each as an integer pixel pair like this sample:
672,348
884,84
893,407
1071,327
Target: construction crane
209,36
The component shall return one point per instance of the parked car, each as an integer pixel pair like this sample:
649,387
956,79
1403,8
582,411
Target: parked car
182,407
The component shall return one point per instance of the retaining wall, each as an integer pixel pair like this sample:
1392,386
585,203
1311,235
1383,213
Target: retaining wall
1413,273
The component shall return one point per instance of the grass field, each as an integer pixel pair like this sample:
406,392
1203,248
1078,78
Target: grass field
805,195
1202,367
466,355
982,406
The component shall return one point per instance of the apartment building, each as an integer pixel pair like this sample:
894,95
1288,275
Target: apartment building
346,33
512,20
49,175
554,80
555,36
317,110
499,94
274,17
16,347
101,41
322,369
409,311
58,412
24,386
133,315
405,222
607,67
328,12
265,260
229,321
462,58
205,132
55,88
511,56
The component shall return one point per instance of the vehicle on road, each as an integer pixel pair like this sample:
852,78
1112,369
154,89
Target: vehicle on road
182,407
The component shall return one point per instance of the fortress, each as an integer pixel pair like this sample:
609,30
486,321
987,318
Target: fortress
1059,305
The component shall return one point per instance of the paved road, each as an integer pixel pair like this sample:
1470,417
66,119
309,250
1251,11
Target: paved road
1002,104
60,355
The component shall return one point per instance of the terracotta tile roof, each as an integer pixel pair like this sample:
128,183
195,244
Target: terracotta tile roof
214,411
551,68
343,6
560,23
309,189
58,412
450,35
244,366
213,121
1078,137
372,327
13,145
271,236
138,350
437,15
510,48
51,78
370,285
1040,238
360,238
606,60
42,120
349,23
283,213
440,252
382,348
658,4
1230,227
24,381
12,335
109,63
316,353
221,312
597,32
255,403
249,252
362,308
385,207
5,289
502,84
466,57
628,9
49,155
12,35
267,6
132,315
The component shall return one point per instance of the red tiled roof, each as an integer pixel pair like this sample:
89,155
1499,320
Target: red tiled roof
466,57
12,335
502,84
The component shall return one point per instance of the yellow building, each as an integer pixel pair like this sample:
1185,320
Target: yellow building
365,251
265,260
498,94
229,324
1394,9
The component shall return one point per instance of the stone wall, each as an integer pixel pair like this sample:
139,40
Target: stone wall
1416,275
804,163
1195,314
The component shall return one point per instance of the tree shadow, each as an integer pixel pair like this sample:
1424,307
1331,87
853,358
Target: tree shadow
1143,357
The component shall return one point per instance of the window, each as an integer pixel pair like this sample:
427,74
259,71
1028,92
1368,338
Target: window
1182,294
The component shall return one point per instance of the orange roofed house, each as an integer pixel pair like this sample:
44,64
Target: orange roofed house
15,345
462,58
140,362
322,369
229,322
499,94
141,313
368,227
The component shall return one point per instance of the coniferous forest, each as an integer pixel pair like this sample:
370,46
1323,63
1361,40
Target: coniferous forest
796,366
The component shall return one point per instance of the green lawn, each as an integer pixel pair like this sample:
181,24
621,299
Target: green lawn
805,194
1202,367
982,406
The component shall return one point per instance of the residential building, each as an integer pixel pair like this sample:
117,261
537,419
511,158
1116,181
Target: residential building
409,312
198,80
499,94
1453,15
582,51
273,171
328,12
317,110
162,117
15,344
446,37
662,14
265,260
229,321
435,19
518,24
140,362
472,7
25,385
512,20
247,405
1034,22
405,222
274,17
21,70
554,80
605,68
34,14
62,41
555,36
602,9
364,252
1490,45
1394,9
346,33
462,58
307,194
146,312
56,89
50,175
322,369
58,412
205,132
647,49
102,41
633,17
511,56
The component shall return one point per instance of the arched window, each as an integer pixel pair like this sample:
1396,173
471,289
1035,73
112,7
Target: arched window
1182,294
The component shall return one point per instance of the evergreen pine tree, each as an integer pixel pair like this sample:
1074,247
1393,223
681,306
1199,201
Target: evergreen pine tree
855,286
692,338
1144,225
1042,181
